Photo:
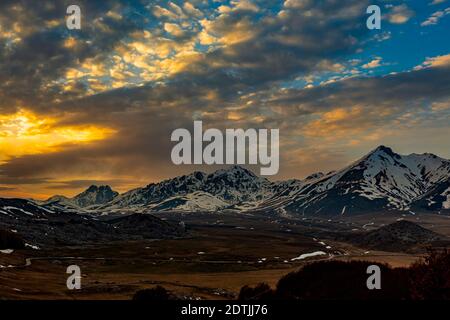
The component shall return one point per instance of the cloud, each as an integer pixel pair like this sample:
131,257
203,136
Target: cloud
399,14
390,90
383,36
192,10
30,71
81,184
245,5
246,45
364,108
297,3
25,133
7,188
435,17
438,61
375,63
160,12
174,29
443,105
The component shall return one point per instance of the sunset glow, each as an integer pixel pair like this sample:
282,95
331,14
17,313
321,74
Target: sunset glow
25,133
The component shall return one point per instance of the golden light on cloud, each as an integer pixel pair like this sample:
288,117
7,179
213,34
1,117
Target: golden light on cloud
336,123
234,116
70,43
25,133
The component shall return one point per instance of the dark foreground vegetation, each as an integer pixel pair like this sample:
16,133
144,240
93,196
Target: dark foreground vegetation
428,279
10,240
157,293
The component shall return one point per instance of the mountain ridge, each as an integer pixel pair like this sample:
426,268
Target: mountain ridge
381,180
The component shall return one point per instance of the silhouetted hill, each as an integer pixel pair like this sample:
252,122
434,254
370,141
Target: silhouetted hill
399,236
10,240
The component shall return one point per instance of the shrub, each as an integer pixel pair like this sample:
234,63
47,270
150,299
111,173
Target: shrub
334,280
261,291
338,280
158,293
430,278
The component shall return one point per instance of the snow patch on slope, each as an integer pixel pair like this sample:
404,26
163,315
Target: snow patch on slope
309,255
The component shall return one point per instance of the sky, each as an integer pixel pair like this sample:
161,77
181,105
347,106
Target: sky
98,105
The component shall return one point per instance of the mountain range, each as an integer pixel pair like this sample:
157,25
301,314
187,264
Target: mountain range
380,181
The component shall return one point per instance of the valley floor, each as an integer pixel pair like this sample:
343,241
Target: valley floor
221,254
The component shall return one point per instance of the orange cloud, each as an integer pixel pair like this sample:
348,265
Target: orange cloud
25,133
339,123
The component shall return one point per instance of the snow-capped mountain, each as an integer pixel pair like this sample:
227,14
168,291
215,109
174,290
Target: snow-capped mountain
382,180
21,208
197,191
95,195
91,197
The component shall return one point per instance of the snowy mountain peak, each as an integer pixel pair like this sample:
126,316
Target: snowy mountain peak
95,195
381,180
381,153
92,196
385,150
236,171
315,176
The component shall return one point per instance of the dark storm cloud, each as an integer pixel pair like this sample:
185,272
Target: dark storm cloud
406,90
6,188
20,180
39,56
293,41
